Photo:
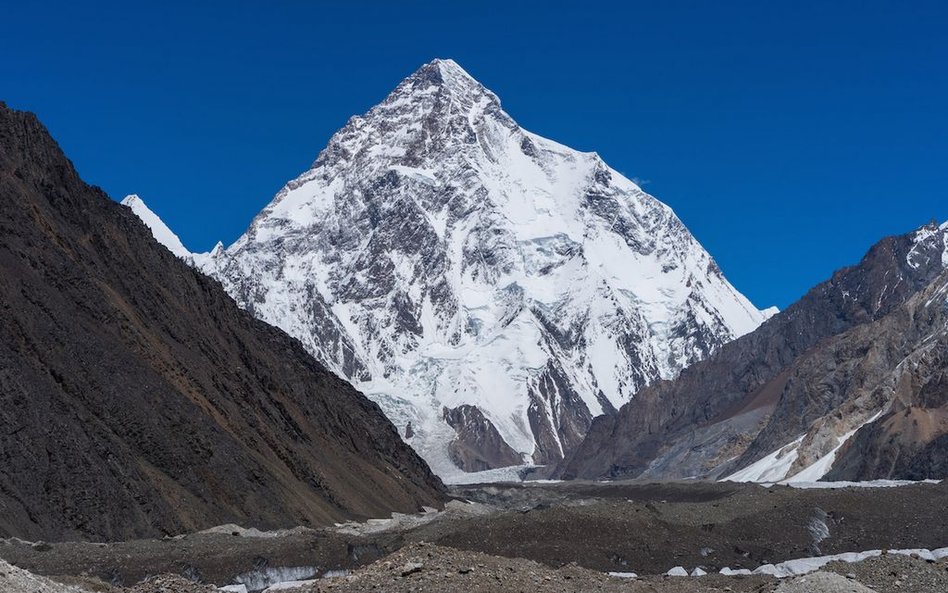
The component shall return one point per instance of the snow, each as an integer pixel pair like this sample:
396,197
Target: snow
822,466
624,575
258,580
511,256
775,467
802,566
287,585
503,474
923,237
864,484
159,229
770,468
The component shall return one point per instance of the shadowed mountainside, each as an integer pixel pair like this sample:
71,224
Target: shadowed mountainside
137,399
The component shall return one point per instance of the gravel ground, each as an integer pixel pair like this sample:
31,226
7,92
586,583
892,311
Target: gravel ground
17,580
649,528
425,568
893,573
822,582
170,584
428,568
645,528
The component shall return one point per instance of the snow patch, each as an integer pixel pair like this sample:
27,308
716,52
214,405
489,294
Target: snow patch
770,468
159,229
865,484
801,566
624,575
822,465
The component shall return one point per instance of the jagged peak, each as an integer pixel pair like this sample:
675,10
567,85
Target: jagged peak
444,75
443,71
929,229
436,91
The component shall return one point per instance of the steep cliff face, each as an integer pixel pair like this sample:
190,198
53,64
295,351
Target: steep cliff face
136,399
438,256
807,386
478,446
909,437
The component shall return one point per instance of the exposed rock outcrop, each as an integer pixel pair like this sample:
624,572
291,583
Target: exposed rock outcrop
478,446
137,399
831,363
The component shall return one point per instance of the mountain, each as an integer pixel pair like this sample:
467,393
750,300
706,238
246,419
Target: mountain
847,383
137,399
489,288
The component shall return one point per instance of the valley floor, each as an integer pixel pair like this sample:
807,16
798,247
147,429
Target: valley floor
551,537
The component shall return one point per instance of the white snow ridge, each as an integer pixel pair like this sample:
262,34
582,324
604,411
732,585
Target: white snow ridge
438,255
159,229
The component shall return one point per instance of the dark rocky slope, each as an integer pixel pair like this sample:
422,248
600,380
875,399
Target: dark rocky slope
136,399
823,366
478,446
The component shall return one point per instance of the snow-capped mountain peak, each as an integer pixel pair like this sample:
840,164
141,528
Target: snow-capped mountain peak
456,267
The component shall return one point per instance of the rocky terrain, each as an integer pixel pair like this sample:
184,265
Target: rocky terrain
427,568
847,383
137,400
17,580
441,257
550,530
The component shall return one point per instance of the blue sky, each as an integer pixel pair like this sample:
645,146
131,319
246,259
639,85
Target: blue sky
788,136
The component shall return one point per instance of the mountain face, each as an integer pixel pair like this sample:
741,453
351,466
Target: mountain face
137,399
455,266
847,383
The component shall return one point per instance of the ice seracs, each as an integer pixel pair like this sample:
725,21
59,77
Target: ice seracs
442,258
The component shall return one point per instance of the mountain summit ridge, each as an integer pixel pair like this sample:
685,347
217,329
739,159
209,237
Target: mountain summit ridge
439,256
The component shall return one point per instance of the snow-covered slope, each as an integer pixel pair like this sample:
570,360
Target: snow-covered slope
164,235
438,255
159,229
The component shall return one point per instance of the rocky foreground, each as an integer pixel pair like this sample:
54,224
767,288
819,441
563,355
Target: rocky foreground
137,399
424,568
548,537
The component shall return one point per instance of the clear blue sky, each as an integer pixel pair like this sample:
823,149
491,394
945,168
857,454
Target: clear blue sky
789,136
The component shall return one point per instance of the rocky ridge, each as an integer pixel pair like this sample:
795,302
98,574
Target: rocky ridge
136,399
845,384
